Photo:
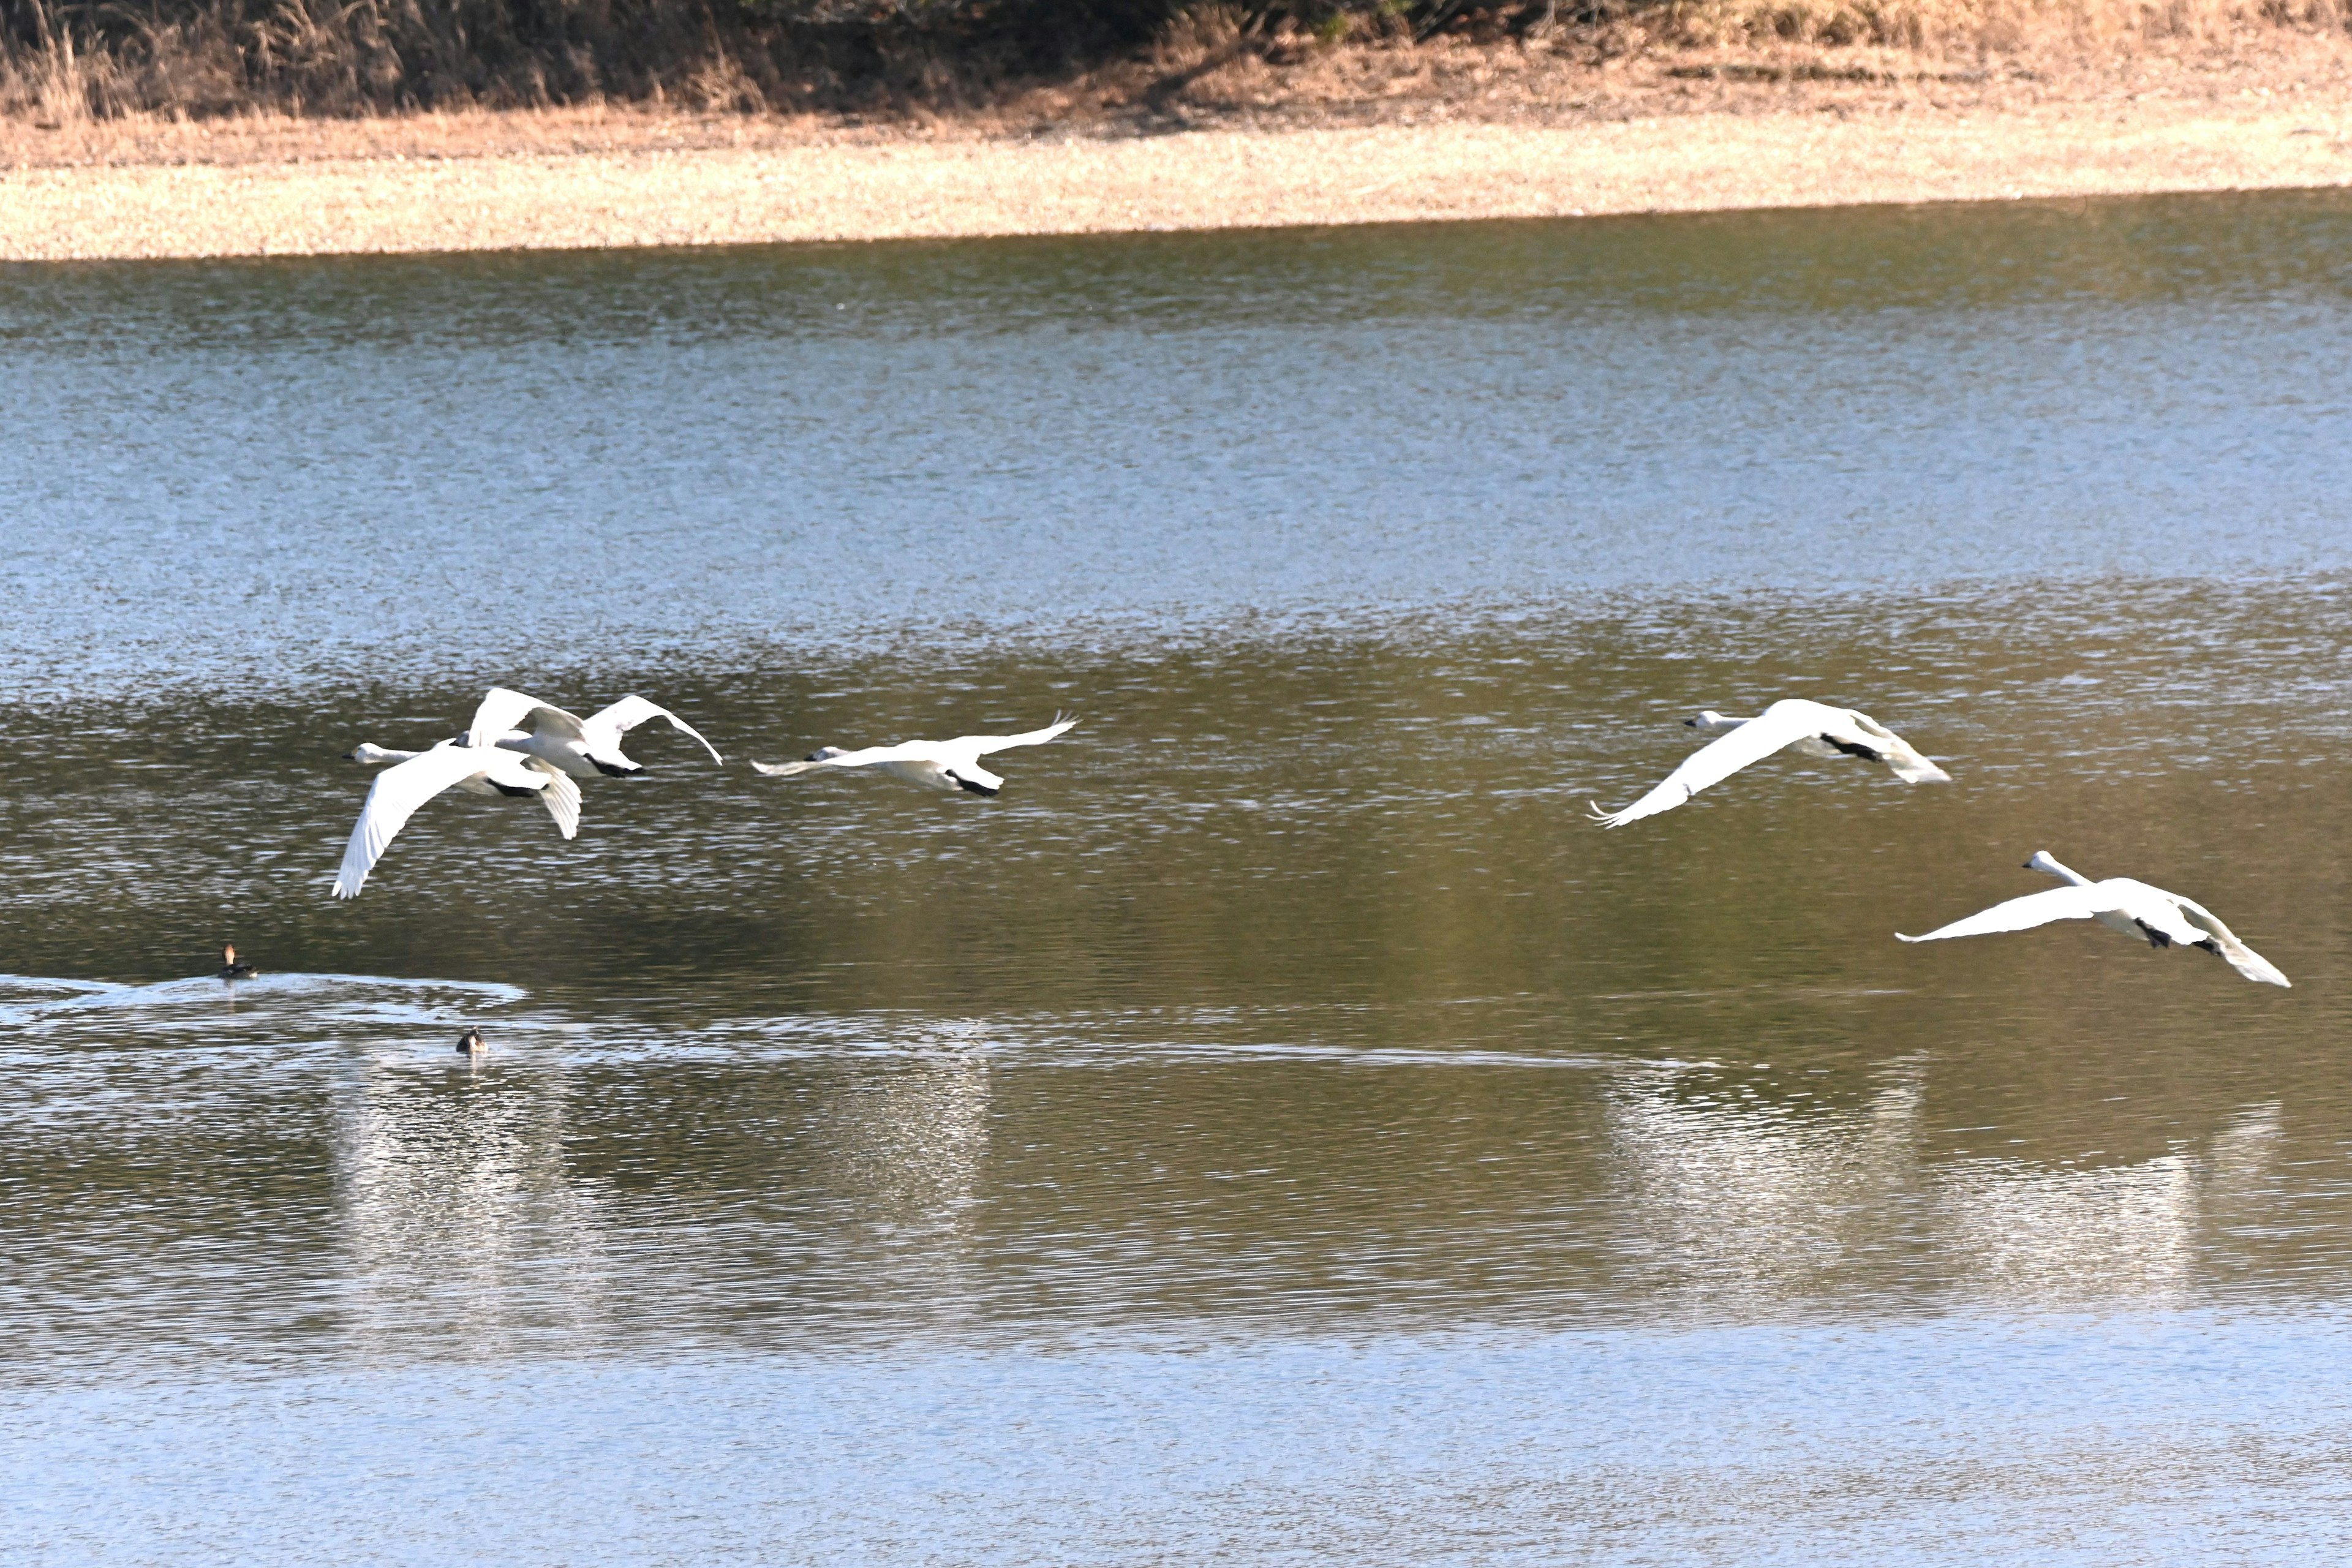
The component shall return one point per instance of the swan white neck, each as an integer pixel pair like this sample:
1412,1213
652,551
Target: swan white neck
368,752
2047,864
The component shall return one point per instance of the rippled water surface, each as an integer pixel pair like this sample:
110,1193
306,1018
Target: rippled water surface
1279,1127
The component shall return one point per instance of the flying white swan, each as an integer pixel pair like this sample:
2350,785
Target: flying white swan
1813,729
945,765
564,804
2120,904
400,789
581,747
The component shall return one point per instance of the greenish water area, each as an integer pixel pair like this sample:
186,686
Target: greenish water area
1281,1126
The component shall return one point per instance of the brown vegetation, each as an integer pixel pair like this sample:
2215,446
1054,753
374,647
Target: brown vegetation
68,62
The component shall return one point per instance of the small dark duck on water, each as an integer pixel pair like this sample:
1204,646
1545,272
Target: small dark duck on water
230,968
469,1044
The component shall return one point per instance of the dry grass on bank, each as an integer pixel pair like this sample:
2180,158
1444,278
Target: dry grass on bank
66,64
1456,80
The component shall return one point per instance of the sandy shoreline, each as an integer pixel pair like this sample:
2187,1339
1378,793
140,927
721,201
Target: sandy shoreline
832,185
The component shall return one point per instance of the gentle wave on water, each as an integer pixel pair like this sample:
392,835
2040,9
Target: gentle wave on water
203,1005
1283,1056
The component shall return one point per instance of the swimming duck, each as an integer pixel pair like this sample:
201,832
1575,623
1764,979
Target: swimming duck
469,1044
230,968
949,766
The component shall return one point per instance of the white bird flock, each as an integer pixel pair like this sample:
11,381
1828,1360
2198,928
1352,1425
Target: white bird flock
517,745
556,749
1816,730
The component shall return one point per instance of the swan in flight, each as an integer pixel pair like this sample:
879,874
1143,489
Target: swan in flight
581,747
1812,728
408,784
945,765
2120,904
564,804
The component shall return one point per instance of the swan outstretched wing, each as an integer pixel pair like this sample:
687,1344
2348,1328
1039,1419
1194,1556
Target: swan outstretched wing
1791,718
394,798
2235,953
982,745
562,796
2025,913
872,756
631,711
503,709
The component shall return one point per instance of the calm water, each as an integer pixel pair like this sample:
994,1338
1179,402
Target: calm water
1278,1128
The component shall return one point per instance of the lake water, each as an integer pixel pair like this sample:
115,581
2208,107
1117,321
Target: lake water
1279,1128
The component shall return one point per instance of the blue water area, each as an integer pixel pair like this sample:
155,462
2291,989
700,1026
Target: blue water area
1280,1127
2188,1438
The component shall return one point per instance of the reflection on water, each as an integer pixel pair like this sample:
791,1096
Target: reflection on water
1216,1035
455,1213
2104,1233
1279,1100
1753,1207
907,1150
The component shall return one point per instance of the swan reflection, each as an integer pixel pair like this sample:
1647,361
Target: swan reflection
1738,1202
2047,1236
904,1154
1742,1203
454,1208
